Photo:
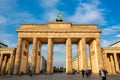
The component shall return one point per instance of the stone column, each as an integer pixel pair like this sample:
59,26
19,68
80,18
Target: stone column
98,55
112,64
10,64
116,63
7,66
109,68
18,56
82,53
78,50
1,60
38,65
3,65
68,56
105,61
50,56
34,55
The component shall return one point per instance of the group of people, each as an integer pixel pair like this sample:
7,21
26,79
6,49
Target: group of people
87,72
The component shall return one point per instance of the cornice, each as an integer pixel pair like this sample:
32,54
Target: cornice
60,31
7,49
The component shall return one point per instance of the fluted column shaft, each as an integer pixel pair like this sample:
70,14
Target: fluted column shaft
4,65
82,53
112,64
68,56
116,63
18,56
98,55
38,63
78,50
1,60
10,64
34,55
105,61
50,56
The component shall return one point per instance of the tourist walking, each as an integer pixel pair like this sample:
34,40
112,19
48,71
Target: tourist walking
87,73
29,71
103,74
83,73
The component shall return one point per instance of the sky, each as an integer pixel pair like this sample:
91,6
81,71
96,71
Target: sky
102,12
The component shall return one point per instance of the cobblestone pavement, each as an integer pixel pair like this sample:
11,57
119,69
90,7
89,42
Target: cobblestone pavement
58,76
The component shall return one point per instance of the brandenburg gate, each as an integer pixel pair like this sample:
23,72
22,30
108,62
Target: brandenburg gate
15,60
56,33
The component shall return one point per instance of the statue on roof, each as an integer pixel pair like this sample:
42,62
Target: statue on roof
59,18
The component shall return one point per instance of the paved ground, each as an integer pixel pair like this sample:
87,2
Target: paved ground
58,76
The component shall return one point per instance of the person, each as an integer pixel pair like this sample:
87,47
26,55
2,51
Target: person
103,74
73,71
29,71
87,73
83,72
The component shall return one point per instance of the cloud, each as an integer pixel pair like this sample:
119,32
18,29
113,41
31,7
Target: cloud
7,6
8,39
51,14
23,17
2,20
88,12
118,35
106,43
48,3
111,30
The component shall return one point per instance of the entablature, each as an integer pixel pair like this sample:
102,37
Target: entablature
60,30
111,50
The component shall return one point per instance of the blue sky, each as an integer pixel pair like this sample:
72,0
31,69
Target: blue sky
102,12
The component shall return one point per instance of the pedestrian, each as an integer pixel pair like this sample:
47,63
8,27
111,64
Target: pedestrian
103,74
29,71
73,71
83,73
87,73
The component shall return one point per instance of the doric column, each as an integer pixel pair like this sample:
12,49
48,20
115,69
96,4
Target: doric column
112,64
1,60
109,68
78,53
116,63
68,56
38,63
50,56
98,55
34,54
105,61
82,53
3,65
18,56
7,66
10,64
